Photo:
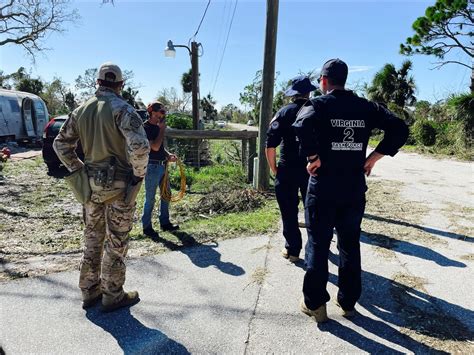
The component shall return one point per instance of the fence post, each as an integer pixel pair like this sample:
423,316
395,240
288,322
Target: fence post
252,154
244,154
198,146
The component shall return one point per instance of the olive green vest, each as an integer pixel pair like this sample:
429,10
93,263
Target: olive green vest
99,135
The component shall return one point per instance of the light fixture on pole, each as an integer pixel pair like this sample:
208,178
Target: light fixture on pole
170,52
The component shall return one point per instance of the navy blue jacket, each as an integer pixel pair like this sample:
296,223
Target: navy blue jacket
337,127
281,132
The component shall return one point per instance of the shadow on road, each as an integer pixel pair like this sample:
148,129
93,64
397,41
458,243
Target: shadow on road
397,305
358,340
408,248
201,255
425,229
132,336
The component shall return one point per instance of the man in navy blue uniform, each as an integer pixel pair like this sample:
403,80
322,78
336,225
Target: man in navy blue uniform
334,130
290,174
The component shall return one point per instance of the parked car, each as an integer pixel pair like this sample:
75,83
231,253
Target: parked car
50,132
221,124
250,123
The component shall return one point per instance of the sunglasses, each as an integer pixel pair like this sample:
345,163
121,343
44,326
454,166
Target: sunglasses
158,109
319,79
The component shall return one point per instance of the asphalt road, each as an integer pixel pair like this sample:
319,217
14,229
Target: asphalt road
242,127
240,296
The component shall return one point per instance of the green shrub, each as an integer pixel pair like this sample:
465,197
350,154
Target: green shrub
179,121
181,148
461,108
411,140
424,133
225,152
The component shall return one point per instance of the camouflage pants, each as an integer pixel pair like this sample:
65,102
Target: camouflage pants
105,246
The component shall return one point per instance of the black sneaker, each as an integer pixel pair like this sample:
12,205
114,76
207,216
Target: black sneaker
169,227
153,234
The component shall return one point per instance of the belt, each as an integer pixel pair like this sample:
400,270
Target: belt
157,162
122,175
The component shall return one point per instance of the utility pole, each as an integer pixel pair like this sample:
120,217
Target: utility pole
170,51
268,83
195,81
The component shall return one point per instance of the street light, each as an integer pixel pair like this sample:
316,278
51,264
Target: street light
170,52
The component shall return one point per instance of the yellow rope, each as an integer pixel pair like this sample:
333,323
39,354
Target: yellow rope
164,187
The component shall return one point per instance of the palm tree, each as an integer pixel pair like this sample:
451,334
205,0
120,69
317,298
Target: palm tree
392,86
207,104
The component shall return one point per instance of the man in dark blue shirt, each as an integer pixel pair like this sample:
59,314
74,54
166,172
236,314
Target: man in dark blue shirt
290,174
155,128
334,130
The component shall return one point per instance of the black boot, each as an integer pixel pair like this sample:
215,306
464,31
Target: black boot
153,234
169,227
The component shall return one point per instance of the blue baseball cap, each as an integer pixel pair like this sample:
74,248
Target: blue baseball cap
301,85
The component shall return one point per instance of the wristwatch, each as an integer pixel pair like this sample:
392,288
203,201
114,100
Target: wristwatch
312,160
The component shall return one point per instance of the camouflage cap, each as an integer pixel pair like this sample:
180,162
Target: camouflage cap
111,68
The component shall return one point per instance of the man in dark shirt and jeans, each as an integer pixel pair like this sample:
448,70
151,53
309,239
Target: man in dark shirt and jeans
334,130
290,174
155,128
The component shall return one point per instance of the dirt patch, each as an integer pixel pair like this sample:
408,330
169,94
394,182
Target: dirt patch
259,275
40,222
469,257
425,321
389,219
461,220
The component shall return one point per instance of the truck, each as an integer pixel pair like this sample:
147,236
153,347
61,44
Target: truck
23,117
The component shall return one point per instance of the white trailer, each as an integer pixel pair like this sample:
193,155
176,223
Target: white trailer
23,116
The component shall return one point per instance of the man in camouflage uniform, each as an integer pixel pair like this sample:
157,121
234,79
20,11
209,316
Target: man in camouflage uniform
116,152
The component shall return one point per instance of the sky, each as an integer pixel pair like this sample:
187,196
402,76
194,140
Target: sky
133,34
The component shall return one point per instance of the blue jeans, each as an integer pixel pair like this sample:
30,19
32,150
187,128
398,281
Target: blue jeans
154,175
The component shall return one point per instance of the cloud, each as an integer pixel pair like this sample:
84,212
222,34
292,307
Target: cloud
352,68
359,68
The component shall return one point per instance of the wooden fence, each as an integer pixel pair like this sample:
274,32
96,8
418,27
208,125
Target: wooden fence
248,139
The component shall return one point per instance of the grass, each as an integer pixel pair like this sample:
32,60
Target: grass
373,142
210,178
215,185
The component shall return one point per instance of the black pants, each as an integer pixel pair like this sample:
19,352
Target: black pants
288,181
322,216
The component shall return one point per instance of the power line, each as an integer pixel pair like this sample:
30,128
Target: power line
220,43
225,46
202,19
